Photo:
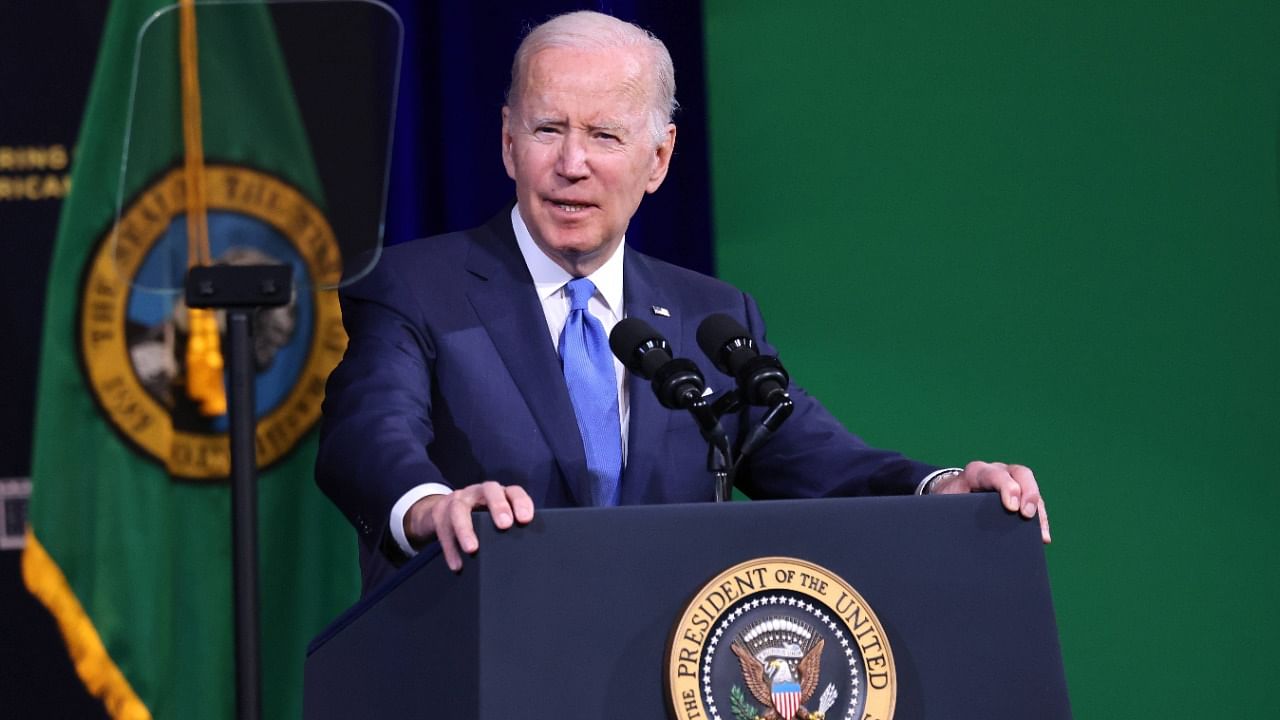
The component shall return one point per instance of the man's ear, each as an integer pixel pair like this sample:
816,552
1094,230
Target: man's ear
507,160
662,159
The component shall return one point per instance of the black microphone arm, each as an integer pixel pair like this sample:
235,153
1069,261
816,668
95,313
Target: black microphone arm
761,378
677,382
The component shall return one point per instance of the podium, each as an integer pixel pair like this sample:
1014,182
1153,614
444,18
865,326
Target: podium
571,616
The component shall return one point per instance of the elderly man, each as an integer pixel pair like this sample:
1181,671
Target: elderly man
475,376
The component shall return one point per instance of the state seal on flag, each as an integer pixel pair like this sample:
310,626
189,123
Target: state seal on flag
778,638
132,323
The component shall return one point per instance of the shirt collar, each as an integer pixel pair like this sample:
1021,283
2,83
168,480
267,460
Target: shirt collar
549,278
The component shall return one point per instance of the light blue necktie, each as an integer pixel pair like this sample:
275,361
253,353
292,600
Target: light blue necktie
593,390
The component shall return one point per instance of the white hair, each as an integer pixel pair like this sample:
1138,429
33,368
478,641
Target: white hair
589,30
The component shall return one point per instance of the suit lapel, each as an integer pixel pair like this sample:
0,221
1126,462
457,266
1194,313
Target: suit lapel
504,298
644,295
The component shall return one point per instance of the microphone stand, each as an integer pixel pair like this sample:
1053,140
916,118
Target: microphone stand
722,460
719,452
727,403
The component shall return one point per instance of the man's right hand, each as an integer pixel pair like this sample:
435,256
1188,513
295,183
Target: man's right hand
447,518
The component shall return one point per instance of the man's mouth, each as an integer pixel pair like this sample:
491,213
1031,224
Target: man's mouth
569,207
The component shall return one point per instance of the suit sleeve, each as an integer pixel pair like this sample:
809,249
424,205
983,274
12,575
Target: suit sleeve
813,455
376,426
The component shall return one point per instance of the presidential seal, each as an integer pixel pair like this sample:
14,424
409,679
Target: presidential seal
778,638
134,329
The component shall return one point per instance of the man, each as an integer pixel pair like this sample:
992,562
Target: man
453,394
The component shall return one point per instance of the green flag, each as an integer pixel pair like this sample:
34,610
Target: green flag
129,540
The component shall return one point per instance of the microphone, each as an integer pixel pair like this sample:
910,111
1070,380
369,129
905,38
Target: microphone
761,378
677,382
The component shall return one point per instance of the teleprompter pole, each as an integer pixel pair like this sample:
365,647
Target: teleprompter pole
241,290
244,513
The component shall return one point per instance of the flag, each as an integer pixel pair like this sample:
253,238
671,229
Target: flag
129,537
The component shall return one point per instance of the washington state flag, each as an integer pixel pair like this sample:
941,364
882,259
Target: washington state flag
192,150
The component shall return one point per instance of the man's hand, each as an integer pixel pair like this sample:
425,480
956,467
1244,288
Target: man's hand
447,518
1015,483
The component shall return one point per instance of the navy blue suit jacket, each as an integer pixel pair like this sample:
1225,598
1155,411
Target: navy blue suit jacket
451,376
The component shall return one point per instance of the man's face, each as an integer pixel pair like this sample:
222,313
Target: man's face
580,147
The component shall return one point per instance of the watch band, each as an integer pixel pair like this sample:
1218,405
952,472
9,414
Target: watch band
930,480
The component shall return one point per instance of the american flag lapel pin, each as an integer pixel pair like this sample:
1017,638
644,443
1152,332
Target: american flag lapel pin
660,311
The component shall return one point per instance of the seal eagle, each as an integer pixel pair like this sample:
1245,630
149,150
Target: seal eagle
773,684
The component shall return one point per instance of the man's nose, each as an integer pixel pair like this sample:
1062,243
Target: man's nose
572,161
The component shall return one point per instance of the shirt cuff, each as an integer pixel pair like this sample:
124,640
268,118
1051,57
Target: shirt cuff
927,483
401,508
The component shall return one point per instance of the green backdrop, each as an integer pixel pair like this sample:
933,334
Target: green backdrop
1049,233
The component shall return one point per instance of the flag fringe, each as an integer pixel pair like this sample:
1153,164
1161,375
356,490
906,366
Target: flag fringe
44,579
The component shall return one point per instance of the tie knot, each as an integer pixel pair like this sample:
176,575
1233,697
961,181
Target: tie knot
580,291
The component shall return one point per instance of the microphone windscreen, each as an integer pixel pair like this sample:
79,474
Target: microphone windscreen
627,336
715,333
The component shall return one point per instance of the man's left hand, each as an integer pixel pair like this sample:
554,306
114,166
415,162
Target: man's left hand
1015,483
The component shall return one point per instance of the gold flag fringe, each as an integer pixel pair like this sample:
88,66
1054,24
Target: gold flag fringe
44,579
